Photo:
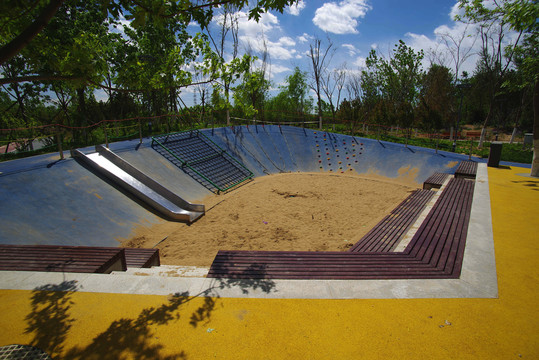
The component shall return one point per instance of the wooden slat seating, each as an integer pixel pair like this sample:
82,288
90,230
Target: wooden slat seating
435,181
79,259
435,251
466,170
141,258
384,237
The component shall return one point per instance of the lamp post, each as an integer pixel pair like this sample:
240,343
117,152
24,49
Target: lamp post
461,86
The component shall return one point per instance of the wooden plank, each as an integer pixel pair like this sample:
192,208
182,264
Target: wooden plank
141,258
435,251
61,258
466,169
383,236
435,181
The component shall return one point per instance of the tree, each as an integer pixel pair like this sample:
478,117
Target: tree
291,102
228,25
334,81
522,16
459,46
17,34
249,96
495,20
437,97
296,91
397,80
320,59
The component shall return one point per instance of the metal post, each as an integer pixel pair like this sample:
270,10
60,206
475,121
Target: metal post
140,131
59,141
106,134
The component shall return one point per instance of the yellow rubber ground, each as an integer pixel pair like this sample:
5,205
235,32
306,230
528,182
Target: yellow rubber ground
108,326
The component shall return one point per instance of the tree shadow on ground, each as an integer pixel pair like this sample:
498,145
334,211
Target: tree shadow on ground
528,183
50,322
49,319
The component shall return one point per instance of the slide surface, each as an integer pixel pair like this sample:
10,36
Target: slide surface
141,185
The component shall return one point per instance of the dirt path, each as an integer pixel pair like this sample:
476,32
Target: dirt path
297,211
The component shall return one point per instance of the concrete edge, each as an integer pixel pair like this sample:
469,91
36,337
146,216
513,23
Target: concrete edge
478,278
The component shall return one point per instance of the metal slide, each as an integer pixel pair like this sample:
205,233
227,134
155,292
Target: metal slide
141,185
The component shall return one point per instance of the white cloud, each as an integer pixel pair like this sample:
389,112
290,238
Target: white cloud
351,49
341,18
119,27
250,27
277,50
360,62
296,8
272,69
442,46
455,10
287,41
255,35
277,69
305,38
374,46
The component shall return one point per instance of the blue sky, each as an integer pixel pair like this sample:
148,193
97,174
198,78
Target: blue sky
354,27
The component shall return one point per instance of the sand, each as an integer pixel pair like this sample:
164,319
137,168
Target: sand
294,211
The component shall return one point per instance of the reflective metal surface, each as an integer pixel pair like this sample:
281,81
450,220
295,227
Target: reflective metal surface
141,185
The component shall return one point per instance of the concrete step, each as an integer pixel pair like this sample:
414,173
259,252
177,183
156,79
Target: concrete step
166,271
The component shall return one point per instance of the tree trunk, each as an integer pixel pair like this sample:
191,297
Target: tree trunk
484,129
16,45
82,114
513,134
517,118
319,113
535,162
227,103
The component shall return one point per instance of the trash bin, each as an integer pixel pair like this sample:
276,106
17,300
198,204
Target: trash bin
495,154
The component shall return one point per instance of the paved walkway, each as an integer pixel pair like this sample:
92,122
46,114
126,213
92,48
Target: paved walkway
80,325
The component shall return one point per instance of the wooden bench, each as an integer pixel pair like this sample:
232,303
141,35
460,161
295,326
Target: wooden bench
80,259
466,170
441,238
435,181
473,134
435,251
385,236
447,135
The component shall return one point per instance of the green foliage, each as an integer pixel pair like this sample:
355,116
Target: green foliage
250,95
396,80
291,103
437,94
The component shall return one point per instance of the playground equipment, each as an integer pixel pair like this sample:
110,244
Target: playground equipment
141,185
201,158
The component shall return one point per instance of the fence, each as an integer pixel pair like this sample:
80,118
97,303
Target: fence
22,142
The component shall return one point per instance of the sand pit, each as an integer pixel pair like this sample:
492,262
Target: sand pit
295,211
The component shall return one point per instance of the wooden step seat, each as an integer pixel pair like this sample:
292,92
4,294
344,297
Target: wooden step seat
435,251
466,170
435,181
141,258
79,259
384,237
